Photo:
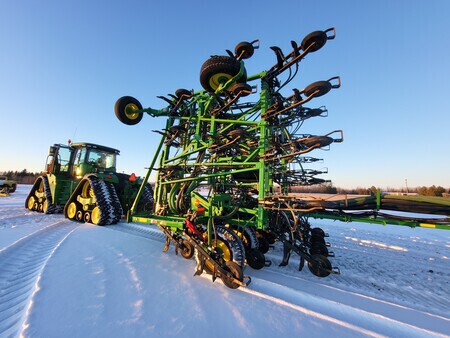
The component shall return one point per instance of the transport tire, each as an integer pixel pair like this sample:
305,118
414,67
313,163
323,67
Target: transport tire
218,70
126,110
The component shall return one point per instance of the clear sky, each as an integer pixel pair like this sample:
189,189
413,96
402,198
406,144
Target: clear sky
63,64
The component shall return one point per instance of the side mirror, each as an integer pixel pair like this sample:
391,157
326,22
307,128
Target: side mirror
52,150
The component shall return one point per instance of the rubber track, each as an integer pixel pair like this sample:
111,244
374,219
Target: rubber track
109,213
51,208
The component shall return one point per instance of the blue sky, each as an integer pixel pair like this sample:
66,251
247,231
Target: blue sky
63,64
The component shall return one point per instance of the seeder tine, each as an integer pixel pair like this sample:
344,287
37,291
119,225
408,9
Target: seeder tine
279,54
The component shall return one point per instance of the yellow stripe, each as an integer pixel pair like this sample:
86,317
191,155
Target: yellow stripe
427,225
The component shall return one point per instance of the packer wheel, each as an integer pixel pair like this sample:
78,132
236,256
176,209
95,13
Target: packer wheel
244,50
314,41
236,271
255,259
318,232
318,88
187,249
319,265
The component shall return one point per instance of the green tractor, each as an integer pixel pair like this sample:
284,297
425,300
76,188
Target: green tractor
80,179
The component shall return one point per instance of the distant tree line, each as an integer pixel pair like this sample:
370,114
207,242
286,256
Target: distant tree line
25,177
21,177
328,188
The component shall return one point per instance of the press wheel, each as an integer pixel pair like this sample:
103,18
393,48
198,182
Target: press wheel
319,265
187,249
236,271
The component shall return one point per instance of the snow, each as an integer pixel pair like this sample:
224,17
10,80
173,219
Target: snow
66,279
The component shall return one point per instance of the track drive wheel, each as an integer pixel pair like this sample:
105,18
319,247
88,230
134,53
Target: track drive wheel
319,265
127,110
237,273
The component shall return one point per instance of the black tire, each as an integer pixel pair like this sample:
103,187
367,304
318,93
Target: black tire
244,50
183,92
12,188
319,249
317,239
255,259
319,265
318,88
318,38
187,249
219,69
264,245
318,232
124,108
236,271
319,141
241,88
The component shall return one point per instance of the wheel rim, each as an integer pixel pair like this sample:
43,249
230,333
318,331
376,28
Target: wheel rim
95,216
217,79
222,246
31,202
130,111
86,191
71,210
45,206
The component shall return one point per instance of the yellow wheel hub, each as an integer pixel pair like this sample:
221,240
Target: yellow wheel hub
72,210
217,79
45,206
222,246
31,202
95,215
86,191
130,111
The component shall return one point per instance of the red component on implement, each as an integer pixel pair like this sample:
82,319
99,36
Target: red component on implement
132,178
191,227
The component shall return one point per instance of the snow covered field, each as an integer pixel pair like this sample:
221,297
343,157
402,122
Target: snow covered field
65,279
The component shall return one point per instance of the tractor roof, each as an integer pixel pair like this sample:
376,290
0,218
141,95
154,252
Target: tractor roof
94,146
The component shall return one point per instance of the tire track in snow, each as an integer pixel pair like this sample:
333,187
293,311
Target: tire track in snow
21,267
363,314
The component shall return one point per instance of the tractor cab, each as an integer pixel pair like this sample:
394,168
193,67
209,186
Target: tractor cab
91,158
59,159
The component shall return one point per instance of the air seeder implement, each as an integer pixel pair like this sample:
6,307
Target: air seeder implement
229,156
